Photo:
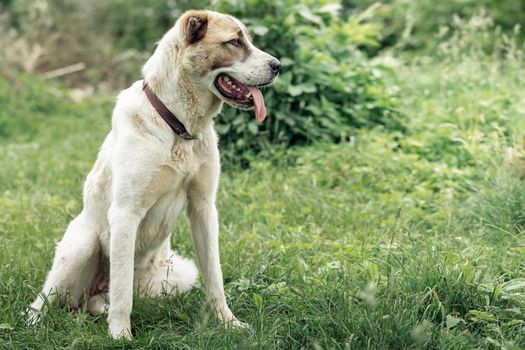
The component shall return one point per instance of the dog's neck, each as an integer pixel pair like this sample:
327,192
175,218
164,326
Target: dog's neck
193,104
190,103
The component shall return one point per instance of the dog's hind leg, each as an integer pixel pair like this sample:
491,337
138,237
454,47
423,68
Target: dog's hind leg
74,267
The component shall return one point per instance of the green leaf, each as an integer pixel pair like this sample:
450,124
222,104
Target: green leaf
222,128
333,9
286,61
514,322
257,300
452,321
181,315
260,30
295,90
512,285
308,15
481,316
254,128
6,326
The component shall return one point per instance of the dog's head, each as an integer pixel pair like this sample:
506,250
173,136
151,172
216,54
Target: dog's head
216,51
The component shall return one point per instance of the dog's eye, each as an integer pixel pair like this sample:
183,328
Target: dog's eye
234,42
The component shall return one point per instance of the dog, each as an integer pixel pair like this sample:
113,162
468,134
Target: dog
160,157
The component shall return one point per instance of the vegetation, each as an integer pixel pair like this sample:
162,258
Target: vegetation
328,87
406,234
422,24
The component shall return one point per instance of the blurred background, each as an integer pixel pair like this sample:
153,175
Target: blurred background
333,53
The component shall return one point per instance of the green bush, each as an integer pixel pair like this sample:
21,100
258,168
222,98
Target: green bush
415,24
327,87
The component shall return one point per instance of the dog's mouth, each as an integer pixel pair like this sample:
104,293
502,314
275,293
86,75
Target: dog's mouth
241,95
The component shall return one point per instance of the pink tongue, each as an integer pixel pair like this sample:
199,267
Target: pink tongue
258,102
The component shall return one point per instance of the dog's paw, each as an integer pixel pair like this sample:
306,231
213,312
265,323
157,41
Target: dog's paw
229,320
120,333
235,323
120,330
32,317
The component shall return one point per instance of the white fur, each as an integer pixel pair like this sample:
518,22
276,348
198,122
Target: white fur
143,178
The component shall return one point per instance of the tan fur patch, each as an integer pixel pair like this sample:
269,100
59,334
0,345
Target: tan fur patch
140,125
195,25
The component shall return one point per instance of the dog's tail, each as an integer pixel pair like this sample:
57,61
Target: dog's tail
181,274
171,275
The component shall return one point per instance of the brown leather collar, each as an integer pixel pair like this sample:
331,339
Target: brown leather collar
166,114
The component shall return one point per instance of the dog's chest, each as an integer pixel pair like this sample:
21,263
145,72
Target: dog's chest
186,157
174,177
158,223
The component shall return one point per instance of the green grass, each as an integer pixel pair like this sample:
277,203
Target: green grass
390,241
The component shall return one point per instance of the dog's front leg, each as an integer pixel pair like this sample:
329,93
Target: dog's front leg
205,235
123,227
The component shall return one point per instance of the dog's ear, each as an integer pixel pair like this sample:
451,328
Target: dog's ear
195,25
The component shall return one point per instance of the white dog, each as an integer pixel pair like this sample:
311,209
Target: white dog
160,156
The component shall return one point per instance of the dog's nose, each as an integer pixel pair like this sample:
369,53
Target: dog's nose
275,66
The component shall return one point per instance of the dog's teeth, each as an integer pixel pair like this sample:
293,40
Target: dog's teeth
227,78
248,95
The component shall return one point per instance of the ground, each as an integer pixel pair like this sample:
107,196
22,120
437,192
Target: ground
392,240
